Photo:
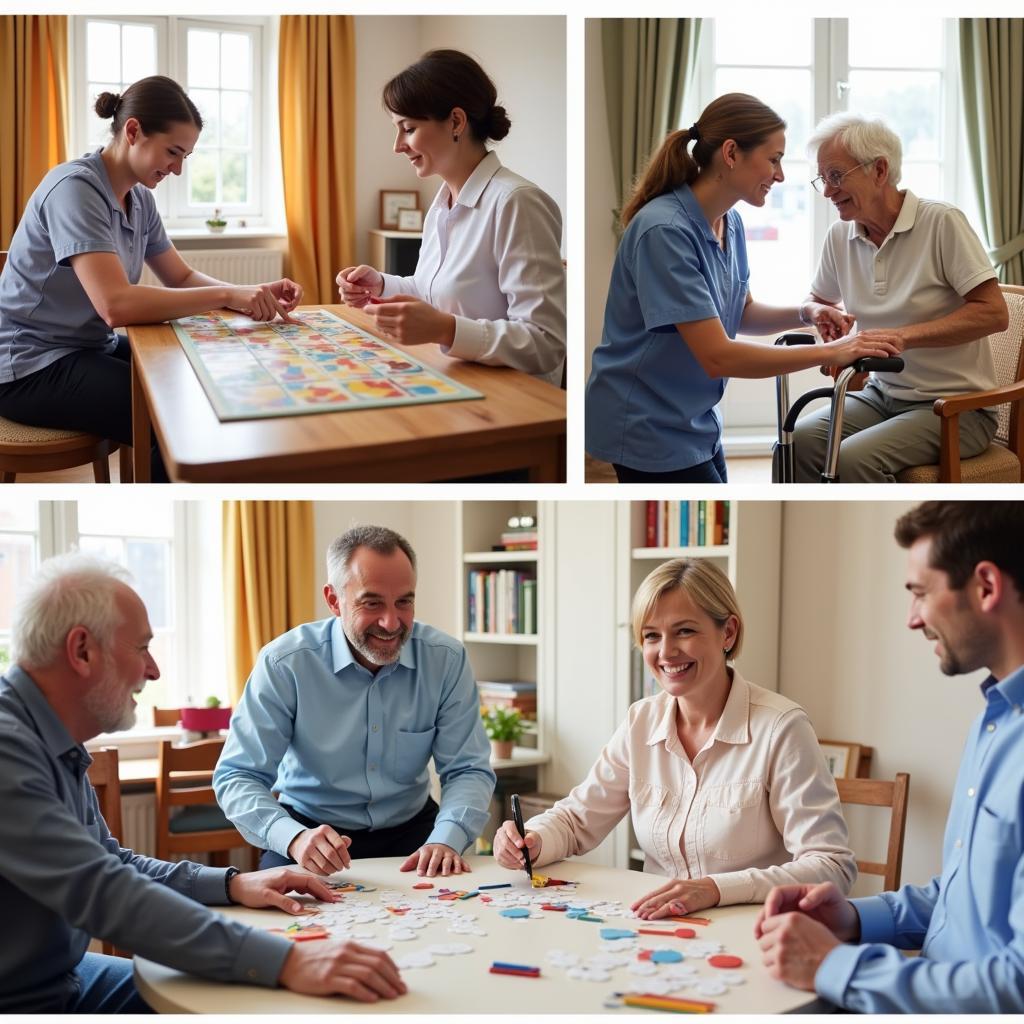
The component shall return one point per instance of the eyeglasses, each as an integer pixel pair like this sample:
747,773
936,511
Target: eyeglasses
834,178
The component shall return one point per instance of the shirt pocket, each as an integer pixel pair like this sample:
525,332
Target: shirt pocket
412,752
995,851
732,823
648,806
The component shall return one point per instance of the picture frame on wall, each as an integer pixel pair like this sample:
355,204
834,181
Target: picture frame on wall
847,760
393,201
410,220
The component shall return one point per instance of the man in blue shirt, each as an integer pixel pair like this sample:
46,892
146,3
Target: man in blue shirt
341,718
966,580
81,645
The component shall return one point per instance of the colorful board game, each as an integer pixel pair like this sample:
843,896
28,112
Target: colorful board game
251,370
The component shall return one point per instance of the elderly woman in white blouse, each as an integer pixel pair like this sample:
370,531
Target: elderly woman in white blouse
725,782
489,285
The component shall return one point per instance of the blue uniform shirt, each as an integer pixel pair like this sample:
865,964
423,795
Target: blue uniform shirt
650,405
348,747
969,921
45,313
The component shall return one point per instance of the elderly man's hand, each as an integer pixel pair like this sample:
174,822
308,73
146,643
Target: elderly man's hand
269,888
831,323
793,947
894,336
821,901
434,859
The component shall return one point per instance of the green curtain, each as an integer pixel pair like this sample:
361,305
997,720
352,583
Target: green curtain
648,66
992,74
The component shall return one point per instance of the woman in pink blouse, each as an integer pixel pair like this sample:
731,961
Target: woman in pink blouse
727,788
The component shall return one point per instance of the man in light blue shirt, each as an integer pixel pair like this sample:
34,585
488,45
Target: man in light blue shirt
81,641
341,718
966,580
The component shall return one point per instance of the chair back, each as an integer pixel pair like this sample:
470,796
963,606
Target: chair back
103,774
163,717
1008,356
882,793
183,769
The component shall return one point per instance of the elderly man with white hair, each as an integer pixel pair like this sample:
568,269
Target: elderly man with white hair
912,273
81,640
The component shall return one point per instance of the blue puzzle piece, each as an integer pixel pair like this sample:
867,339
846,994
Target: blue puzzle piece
515,912
666,956
617,933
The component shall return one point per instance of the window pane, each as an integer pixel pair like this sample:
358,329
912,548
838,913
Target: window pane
203,58
871,47
910,103
17,562
788,93
775,40
235,177
202,177
111,548
924,179
120,517
19,514
138,52
103,50
236,114
149,564
236,61
208,102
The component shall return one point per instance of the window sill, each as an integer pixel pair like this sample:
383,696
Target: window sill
237,234
137,743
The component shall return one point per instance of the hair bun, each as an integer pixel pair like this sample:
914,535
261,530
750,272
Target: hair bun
498,124
107,103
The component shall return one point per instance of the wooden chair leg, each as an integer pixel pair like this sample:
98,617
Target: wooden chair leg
101,470
125,464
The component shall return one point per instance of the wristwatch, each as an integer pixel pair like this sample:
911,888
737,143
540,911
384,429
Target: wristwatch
228,875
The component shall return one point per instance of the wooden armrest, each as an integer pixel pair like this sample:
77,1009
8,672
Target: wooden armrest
957,404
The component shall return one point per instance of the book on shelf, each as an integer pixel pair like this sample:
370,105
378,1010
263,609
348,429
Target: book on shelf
501,601
671,524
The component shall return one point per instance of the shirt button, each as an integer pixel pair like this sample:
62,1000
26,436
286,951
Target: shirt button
373,767
958,843
991,727
252,973
373,728
970,792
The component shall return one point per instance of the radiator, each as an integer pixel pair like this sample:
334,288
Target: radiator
236,266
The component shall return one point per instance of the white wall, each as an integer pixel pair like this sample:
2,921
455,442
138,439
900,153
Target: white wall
862,676
525,57
600,193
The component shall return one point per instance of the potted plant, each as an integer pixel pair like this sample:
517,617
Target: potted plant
504,728
211,718
216,223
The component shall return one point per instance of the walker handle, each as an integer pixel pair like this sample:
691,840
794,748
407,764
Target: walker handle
880,364
795,338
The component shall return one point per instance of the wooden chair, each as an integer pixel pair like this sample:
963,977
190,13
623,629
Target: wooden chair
855,762
881,793
163,717
1001,461
105,779
183,780
25,449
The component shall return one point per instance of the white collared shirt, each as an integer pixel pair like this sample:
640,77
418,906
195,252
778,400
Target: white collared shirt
925,265
756,808
492,259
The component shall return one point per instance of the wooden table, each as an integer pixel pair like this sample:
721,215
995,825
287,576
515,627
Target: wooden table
519,424
462,984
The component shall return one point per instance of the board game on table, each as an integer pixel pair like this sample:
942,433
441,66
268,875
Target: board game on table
251,370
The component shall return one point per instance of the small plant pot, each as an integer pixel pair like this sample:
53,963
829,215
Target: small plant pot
205,719
502,749
215,229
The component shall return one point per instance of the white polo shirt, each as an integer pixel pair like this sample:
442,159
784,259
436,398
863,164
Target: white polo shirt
920,272
492,259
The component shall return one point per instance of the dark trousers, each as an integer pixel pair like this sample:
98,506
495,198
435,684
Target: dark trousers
397,841
86,390
710,472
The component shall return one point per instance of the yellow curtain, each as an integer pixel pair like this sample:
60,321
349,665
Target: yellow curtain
317,101
33,108
268,578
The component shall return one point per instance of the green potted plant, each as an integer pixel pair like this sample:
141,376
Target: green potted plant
216,223
211,718
504,729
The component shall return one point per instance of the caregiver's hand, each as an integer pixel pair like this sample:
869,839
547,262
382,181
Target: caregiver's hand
844,351
831,323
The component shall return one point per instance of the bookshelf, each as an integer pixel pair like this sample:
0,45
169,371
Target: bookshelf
750,556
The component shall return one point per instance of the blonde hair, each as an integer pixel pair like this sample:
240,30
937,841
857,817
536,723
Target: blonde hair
707,586
737,116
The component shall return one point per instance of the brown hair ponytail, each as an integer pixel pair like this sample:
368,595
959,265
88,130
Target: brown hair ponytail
737,116
155,102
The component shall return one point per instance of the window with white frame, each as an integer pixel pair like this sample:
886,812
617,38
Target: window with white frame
171,549
222,66
804,69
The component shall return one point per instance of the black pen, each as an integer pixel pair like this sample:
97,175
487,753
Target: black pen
517,817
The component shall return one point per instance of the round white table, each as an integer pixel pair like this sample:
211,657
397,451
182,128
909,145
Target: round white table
462,983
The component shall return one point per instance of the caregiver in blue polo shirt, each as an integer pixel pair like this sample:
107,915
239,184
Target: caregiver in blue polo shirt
75,260
680,294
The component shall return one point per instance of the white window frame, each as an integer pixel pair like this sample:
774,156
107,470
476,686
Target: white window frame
172,195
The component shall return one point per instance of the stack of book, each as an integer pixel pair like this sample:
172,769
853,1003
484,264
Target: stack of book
501,601
522,539
511,695
686,524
